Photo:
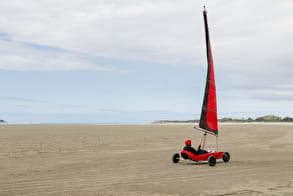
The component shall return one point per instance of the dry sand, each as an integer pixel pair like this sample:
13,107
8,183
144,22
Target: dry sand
136,160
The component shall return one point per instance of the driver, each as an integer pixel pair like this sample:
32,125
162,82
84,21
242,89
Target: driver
189,148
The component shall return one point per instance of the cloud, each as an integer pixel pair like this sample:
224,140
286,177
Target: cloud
27,102
11,98
22,56
144,30
252,43
164,31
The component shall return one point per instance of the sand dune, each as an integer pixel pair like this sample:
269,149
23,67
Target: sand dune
136,160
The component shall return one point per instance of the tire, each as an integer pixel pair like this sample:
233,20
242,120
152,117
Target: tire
212,161
176,158
226,157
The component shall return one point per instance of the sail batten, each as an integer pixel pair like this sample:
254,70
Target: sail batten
208,118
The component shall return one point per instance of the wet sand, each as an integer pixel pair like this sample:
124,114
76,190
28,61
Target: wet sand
136,160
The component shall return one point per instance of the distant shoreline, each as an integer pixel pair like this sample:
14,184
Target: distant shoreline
143,124
228,123
262,119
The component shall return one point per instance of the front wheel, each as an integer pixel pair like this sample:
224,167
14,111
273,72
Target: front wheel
212,161
176,158
226,157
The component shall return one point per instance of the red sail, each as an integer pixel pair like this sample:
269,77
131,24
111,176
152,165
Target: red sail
208,118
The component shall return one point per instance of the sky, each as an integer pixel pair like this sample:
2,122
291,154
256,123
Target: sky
113,61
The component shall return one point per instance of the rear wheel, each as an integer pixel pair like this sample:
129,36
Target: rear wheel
226,157
176,158
212,161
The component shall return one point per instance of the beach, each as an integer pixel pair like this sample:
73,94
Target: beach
136,160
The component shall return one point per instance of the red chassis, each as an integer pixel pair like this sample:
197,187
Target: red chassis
211,157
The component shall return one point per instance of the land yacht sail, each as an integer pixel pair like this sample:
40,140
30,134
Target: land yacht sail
208,118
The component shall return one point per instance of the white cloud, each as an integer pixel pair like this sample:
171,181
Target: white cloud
252,40
164,31
25,57
147,30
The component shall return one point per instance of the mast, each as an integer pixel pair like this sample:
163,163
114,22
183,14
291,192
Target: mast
208,119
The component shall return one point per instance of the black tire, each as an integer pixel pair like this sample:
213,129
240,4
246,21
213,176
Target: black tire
226,157
212,161
176,158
